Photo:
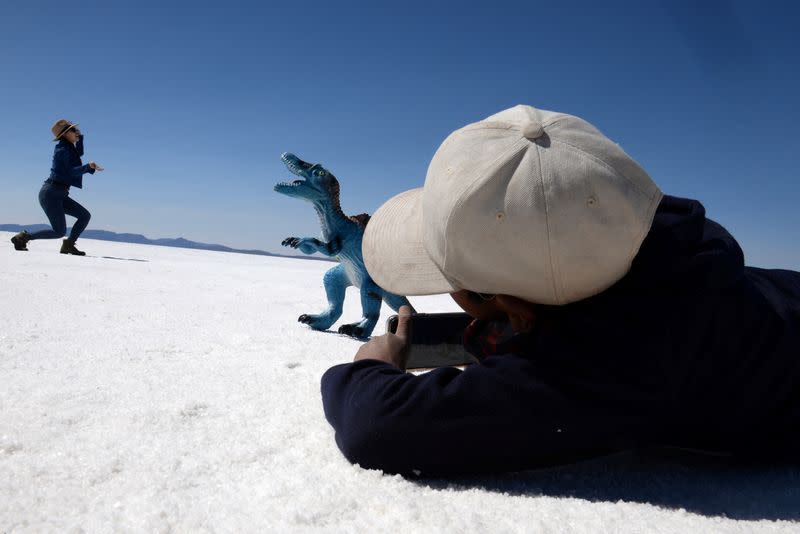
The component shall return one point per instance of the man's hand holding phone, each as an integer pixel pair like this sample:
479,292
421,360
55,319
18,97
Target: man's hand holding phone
390,348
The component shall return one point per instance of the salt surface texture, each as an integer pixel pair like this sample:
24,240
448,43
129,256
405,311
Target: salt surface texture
177,392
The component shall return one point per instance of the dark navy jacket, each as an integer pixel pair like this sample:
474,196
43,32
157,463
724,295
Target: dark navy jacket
67,167
691,348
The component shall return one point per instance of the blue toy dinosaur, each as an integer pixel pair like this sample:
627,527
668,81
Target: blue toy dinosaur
341,238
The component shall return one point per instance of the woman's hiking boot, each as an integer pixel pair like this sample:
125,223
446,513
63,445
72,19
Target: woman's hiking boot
21,240
68,247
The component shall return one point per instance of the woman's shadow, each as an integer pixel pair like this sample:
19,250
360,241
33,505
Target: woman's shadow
670,478
121,259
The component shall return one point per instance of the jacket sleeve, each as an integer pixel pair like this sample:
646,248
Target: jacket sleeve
63,168
487,418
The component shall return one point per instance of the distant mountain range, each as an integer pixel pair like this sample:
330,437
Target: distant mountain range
178,242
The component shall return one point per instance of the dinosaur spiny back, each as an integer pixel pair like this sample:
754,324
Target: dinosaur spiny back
333,188
361,219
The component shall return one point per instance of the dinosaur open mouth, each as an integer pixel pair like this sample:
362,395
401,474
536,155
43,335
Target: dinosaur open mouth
294,169
297,167
292,184
294,164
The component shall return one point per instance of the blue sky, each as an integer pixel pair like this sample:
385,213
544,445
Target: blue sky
189,105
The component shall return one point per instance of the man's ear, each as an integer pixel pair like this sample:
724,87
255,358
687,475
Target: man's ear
521,313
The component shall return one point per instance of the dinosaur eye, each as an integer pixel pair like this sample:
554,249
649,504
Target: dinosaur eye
321,173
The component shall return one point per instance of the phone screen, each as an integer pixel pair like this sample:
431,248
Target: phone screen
436,340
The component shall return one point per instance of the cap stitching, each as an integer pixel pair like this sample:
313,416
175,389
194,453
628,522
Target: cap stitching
556,293
513,149
651,213
631,182
493,125
555,120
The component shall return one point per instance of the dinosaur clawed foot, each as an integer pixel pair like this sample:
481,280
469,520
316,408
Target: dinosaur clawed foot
291,242
352,330
323,322
316,322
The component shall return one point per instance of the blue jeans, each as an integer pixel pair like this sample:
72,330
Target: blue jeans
56,204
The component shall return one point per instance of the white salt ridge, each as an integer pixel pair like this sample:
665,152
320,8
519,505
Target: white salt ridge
180,394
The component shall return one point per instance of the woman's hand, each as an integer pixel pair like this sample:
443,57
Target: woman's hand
95,166
390,348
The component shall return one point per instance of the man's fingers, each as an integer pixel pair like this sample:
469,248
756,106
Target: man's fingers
404,323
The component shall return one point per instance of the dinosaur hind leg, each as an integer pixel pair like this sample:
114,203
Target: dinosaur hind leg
336,282
371,305
395,301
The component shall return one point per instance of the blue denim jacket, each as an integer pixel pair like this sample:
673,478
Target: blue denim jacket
67,167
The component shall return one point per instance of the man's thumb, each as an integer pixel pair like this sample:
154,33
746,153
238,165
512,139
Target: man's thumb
404,323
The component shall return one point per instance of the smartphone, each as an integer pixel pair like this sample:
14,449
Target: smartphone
436,340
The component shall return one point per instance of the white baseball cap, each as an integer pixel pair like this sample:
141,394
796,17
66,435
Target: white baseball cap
531,203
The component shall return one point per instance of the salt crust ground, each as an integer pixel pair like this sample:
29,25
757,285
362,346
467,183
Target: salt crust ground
148,389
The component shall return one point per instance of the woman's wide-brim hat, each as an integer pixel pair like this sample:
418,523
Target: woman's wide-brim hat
61,127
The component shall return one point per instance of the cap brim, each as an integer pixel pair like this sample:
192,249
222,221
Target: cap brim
393,249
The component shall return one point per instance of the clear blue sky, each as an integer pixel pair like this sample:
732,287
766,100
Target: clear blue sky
189,105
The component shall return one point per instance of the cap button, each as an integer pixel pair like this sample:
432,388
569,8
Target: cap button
532,129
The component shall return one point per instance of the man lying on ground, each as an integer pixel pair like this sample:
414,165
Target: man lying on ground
607,315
